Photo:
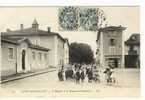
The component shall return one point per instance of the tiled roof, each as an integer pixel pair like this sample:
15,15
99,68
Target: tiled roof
10,40
30,32
18,41
38,47
133,40
109,28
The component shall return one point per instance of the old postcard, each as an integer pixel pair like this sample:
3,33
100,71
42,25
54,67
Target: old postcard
70,51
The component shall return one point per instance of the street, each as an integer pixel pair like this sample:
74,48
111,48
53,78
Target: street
128,84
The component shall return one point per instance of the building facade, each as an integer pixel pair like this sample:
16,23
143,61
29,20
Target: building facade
66,52
32,49
132,51
18,56
110,46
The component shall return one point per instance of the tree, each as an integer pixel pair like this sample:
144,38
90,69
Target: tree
81,53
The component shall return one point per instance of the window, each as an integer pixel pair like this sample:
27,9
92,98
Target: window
40,56
45,56
33,55
112,42
36,42
112,50
11,53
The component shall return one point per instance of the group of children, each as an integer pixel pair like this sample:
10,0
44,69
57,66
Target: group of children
79,73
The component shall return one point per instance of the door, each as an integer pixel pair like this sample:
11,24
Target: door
23,59
113,62
116,63
131,61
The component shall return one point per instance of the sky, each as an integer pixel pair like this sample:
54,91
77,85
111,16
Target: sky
12,17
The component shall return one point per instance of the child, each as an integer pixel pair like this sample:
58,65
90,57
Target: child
90,75
78,76
108,74
82,75
60,75
96,76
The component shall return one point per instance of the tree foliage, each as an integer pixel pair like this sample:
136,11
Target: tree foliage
81,53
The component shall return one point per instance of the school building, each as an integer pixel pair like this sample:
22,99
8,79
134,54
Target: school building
29,49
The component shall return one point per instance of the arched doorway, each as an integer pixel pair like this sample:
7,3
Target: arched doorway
23,59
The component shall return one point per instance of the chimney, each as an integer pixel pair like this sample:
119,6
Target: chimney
48,29
35,24
21,26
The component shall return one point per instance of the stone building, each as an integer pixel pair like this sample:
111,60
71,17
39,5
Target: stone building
30,49
18,56
110,46
132,51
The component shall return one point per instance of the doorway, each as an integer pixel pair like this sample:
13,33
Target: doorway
23,59
116,63
113,62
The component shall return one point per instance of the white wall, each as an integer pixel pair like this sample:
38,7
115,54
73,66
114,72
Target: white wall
8,66
20,48
37,63
54,43
66,53
44,41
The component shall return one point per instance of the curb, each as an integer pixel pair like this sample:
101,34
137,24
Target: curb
25,76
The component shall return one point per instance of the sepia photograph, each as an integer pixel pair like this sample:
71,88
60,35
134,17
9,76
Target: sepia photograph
70,51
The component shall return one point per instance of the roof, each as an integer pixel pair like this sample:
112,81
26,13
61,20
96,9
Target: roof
35,22
112,28
10,40
109,28
38,47
134,39
31,32
18,41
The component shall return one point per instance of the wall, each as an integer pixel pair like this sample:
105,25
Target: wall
104,47
132,61
54,43
49,42
118,42
66,53
31,63
35,62
126,48
20,48
137,48
8,65
44,41
13,66
60,51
